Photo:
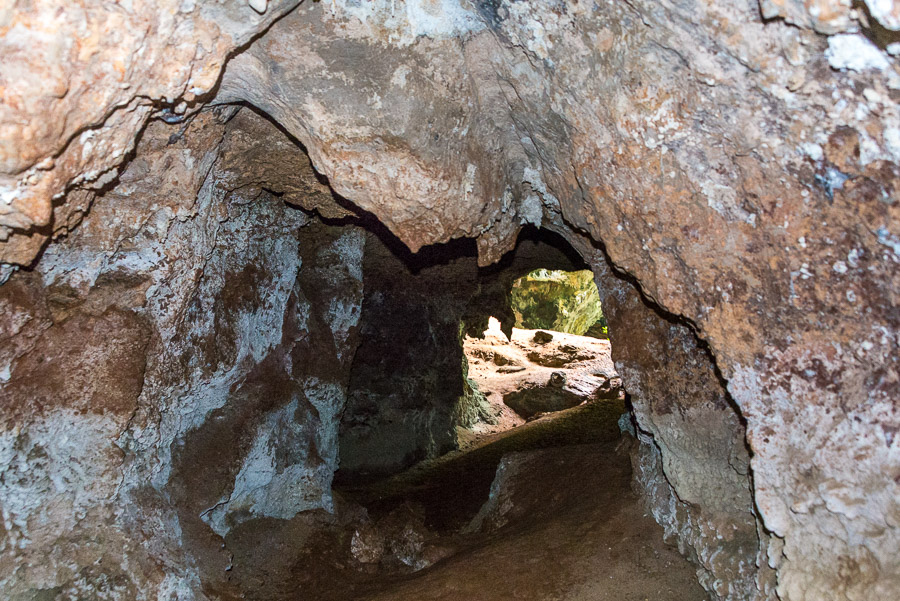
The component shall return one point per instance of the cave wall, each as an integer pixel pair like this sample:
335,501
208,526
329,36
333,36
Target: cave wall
173,370
691,462
213,355
81,81
736,160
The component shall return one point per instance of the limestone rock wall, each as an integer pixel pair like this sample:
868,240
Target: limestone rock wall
693,463
172,370
406,381
690,460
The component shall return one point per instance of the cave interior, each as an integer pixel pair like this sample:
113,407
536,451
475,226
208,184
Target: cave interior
272,326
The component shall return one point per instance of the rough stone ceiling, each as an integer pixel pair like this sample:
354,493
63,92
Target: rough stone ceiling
737,159
80,82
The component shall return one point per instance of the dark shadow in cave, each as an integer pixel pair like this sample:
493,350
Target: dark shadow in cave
415,346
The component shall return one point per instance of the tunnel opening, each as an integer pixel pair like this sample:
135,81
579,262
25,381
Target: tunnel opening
561,301
410,394
556,355
301,419
424,332
421,481
443,465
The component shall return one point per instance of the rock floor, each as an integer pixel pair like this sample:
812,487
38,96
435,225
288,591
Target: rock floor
515,374
579,535
563,523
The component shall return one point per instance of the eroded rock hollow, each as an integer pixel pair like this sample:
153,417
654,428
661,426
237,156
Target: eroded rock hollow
243,244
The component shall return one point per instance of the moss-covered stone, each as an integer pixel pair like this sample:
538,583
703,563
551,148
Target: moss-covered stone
564,301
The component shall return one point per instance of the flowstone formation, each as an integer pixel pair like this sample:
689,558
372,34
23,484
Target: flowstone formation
728,170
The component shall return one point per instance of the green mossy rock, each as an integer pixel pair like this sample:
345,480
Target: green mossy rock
564,301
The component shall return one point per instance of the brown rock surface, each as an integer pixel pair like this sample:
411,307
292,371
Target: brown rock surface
79,81
151,401
706,176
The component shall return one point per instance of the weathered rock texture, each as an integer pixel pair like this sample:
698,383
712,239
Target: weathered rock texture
693,463
743,173
173,369
735,165
78,82
179,367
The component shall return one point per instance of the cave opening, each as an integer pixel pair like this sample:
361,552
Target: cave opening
559,300
454,464
315,411
414,458
425,329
